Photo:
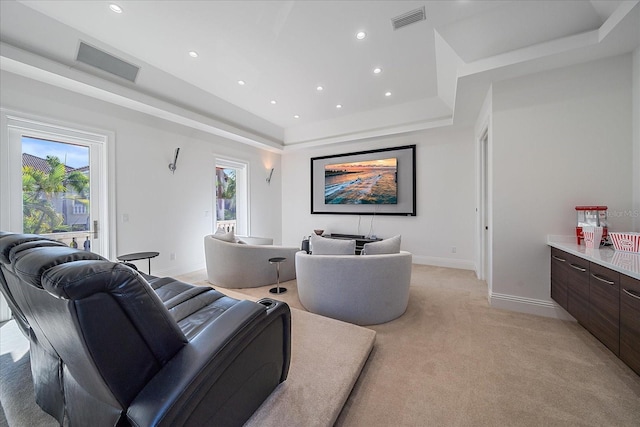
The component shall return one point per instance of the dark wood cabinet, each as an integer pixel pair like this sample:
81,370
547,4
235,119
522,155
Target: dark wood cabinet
604,301
559,277
630,322
578,288
604,306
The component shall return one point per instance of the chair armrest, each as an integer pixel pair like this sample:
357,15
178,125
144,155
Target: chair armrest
184,391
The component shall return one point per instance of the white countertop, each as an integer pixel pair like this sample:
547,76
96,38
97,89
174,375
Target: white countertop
623,262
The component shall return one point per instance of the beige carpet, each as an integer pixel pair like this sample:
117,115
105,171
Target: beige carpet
326,360
327,356
451,360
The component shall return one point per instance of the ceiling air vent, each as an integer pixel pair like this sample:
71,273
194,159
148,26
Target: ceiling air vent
102,60
408,18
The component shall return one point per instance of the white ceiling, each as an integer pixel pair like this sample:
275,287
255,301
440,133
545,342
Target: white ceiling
437,70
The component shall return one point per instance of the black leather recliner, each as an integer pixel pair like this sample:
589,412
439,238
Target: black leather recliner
46,366
131,351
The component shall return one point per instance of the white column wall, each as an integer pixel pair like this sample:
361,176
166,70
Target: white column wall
636,139
561,138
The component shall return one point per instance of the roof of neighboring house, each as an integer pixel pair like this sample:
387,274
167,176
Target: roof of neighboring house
41,164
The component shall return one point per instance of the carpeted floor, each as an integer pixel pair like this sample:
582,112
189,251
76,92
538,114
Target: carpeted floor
451,360
19,408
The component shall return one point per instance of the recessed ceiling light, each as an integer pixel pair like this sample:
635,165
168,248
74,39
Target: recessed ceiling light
193,54
319,88
339,106
115,8
273,102
387,94
360,35
296,116
241,82
377,70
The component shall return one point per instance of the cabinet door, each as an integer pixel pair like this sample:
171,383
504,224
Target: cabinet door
578,289
604,301
630,322
559,277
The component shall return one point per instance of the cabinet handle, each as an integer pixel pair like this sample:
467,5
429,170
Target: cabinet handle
595,276
632,294
559,259
577,267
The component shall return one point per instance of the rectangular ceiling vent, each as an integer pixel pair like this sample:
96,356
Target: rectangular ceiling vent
102,60
408,18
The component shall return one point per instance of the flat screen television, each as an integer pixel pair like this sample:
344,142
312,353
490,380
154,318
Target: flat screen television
372,182
377,182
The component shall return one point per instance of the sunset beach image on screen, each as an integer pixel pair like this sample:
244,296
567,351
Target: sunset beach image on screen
365,182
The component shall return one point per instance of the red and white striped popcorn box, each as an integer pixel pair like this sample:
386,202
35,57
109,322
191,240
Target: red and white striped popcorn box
592,236
626,242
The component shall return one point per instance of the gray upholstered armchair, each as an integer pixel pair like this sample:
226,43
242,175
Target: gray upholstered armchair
246,264
364,290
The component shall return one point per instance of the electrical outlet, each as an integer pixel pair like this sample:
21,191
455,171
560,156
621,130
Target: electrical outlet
125,217
454,250
172,257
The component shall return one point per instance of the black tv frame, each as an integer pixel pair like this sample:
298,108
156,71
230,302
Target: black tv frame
406,167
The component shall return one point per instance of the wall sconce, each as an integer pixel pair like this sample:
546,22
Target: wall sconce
269,177
172,166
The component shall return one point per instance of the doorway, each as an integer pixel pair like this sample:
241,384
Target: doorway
484,237
231,197
56,183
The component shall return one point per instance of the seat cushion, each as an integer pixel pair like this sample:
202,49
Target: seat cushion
225,237
386,246
191,306
326,246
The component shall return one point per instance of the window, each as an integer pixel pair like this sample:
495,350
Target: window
54,182
231,197
55,187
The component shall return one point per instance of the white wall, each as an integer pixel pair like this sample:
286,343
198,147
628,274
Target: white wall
445,198
636,139
169,213
560,138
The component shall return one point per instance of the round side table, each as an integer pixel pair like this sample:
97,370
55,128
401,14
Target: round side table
139,255
277,261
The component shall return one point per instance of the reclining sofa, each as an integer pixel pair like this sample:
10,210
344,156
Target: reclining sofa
110,346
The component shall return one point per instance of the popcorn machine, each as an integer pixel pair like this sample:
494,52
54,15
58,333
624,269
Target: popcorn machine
590,215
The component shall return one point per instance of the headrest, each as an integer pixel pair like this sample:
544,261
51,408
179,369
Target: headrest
30,245
31,264
9,241
80,279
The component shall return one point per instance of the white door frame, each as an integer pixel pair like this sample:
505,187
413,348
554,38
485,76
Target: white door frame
14,125
484,205
243,211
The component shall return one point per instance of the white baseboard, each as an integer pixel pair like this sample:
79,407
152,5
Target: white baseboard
462,264
176,271
528,305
